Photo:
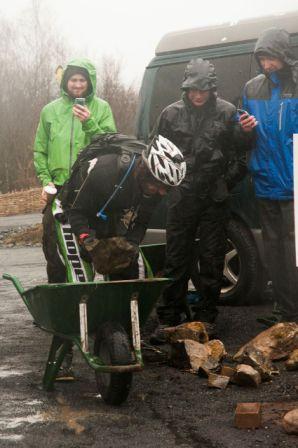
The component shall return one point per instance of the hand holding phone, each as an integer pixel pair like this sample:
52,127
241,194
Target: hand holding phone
80,109
247,121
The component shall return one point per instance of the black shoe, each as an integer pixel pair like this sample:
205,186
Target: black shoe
65,374
269,321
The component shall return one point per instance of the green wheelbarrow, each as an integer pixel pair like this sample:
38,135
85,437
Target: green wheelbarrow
111,312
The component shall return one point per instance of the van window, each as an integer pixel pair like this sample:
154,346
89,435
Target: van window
232,73
166,89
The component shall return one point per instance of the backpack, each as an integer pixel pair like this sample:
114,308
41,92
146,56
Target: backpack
126,146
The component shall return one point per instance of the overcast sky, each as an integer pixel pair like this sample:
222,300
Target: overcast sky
131,29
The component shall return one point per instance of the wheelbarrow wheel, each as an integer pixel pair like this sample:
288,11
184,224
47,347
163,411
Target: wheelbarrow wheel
112,346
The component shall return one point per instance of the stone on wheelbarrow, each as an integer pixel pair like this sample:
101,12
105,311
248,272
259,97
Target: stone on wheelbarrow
195,331
247,376
292,361
275,343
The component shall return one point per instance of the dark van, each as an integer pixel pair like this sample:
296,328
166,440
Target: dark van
230,47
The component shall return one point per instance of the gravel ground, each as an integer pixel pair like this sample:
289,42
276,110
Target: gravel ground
166,407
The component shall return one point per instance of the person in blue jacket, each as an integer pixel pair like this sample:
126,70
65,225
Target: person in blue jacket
272,100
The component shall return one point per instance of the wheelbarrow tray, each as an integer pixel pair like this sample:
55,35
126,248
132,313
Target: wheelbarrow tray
55,307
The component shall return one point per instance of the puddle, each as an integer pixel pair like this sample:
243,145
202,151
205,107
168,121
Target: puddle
33,402
6,371
11,437
12,423
62,413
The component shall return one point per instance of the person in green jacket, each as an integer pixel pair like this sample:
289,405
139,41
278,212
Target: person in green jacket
66,127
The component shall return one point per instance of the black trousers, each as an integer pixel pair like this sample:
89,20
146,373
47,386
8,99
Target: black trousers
277,222
55,267
186,214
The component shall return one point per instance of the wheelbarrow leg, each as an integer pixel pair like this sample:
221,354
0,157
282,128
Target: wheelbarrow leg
58,350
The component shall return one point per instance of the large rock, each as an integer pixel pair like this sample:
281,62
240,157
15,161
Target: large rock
216,352
256,358
190,354
275,343
195,331
292,362
216,349
290,422
247,376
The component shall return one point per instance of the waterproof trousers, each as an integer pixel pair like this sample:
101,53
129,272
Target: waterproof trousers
189,217
277,222
55,267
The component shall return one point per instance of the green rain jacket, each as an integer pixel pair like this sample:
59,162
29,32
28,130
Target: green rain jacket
60,135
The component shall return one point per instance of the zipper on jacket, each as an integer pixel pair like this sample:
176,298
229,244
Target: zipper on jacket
71,143
280,115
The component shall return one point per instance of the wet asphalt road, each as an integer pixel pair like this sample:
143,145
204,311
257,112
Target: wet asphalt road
166,407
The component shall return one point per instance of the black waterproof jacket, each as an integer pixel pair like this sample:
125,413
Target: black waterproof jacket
84,195
211,142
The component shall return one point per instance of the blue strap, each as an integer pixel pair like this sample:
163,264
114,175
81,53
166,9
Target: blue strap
101,213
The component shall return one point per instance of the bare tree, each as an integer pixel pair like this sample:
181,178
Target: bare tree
122,99
30,50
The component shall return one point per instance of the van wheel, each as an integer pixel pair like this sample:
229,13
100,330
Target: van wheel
243,271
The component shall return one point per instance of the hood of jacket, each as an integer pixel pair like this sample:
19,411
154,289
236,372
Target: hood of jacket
199,74
89,67
275,42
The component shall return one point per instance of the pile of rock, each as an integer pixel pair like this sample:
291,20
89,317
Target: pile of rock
191,350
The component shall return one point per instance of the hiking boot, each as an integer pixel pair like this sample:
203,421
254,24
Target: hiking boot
65,374
274,318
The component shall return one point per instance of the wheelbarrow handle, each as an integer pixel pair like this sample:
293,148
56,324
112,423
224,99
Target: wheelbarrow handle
16,283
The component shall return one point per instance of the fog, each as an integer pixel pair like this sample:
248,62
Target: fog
130,30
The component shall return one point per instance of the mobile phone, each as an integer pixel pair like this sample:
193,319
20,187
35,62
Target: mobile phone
80,101
243,112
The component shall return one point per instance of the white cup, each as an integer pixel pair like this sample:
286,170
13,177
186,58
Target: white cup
51,192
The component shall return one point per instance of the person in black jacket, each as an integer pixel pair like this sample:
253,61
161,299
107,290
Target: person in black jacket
206,129
109,199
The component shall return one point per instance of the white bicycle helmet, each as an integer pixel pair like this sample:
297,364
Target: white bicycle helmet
165,161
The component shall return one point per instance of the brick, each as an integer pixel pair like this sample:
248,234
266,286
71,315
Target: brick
248,415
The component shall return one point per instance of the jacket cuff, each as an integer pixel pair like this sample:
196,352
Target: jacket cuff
89,124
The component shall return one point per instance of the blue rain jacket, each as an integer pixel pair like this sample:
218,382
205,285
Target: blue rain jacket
273,100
